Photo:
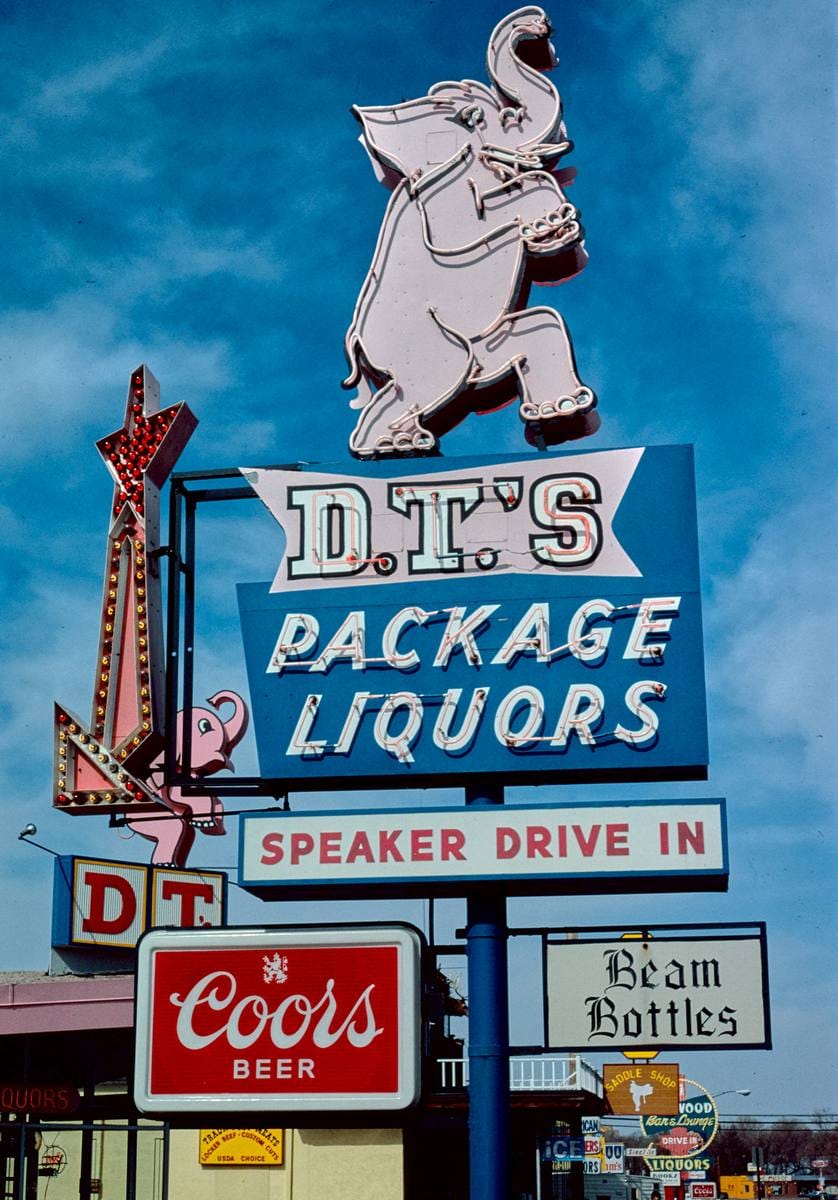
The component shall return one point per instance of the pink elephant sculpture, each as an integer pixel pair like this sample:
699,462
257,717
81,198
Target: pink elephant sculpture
477,215
213,741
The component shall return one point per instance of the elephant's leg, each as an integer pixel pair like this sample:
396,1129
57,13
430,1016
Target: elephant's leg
172,834
535,346
204,813
400,417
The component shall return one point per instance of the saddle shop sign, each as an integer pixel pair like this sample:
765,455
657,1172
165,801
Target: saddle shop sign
279,1020
444,618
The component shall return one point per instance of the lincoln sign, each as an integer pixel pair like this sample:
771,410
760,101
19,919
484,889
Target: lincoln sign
279,1020
504,618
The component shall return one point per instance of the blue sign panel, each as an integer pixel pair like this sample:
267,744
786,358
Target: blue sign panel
440,619
563,1149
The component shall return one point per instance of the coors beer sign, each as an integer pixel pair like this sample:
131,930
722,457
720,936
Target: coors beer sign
309,1019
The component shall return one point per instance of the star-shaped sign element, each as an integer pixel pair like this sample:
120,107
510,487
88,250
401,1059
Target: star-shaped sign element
145,449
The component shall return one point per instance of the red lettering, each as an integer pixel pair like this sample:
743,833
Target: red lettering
562,832
451,844
301,844
100,884
664,837
330,847
538,841
616,839
507,842
690,839
387,848
421,849
272,851
360,848
187,892
586,844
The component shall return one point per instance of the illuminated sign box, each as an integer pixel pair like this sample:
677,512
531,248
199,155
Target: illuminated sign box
461,618
309,1019
640,846
104,904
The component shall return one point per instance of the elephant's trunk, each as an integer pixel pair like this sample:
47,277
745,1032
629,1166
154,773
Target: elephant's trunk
520,39
236,727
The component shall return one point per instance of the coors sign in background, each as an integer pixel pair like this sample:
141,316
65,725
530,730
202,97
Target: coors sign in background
318,1018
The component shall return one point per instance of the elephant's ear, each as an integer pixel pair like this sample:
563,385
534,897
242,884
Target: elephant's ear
404,138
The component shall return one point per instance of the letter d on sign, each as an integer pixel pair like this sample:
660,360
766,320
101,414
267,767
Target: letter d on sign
112,904
109,902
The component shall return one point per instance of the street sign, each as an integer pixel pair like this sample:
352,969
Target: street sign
602,847
641,1088
308,1019
686,992
511,617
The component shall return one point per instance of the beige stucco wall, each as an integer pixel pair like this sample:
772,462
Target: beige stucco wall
338,1164
320,1164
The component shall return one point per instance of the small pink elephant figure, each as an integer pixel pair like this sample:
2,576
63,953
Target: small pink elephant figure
213,741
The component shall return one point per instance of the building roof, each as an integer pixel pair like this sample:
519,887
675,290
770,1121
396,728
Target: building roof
34,1002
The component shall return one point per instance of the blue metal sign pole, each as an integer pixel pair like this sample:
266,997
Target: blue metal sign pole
488,1051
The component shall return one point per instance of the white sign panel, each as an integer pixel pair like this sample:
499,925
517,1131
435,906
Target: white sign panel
667,1178
420,536
615,1158
641,843
688,993
590,1126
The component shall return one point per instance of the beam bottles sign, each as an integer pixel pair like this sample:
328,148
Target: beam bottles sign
687,992
509,617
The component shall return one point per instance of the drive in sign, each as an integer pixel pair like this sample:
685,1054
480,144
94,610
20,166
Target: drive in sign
510,617
592,847
283,1019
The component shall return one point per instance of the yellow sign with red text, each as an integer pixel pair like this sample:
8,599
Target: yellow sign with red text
241,1148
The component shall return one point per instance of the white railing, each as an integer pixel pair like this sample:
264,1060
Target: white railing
538,1073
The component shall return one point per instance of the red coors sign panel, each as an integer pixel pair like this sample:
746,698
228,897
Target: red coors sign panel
282,1019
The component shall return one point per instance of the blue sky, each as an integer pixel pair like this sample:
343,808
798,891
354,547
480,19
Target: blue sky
183,186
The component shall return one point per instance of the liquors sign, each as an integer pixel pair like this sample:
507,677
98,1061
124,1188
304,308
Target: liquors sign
687,992
511,617
279,1020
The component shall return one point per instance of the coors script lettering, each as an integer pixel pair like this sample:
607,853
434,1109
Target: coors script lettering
287,1025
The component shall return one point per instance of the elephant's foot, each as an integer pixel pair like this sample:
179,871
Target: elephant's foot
403,436
555,231
582,400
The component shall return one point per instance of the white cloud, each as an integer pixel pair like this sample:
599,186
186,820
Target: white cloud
61,368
